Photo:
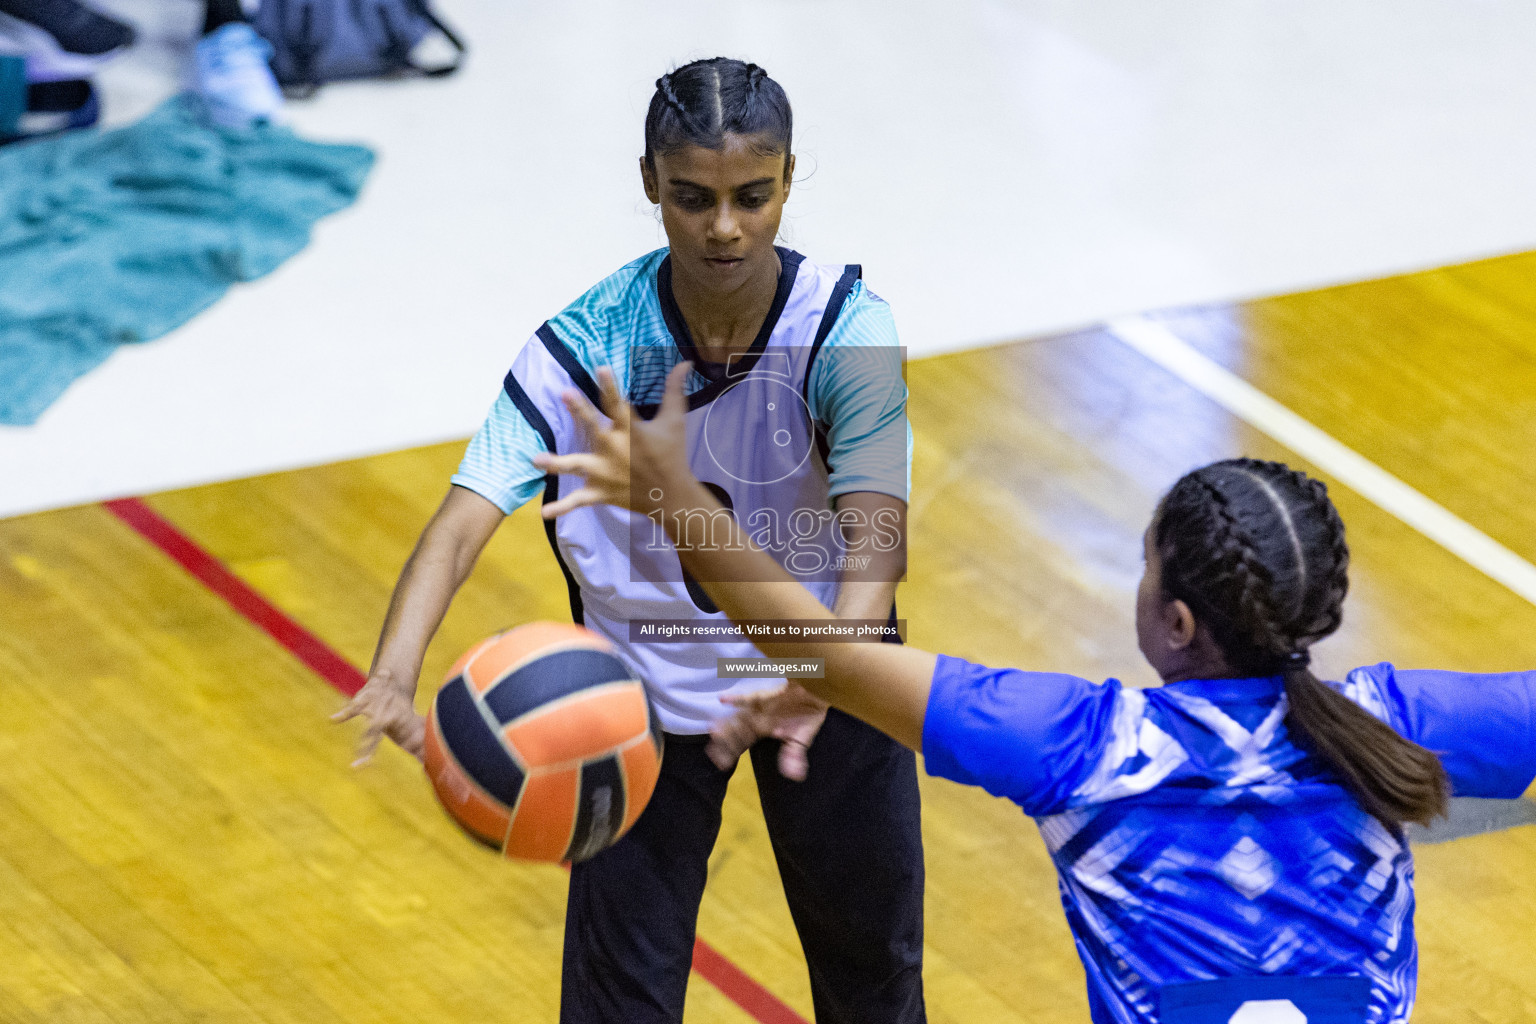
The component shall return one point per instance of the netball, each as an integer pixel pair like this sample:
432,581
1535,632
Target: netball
542,744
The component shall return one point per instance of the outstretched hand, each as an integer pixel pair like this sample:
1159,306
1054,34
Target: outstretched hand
388,711
632,460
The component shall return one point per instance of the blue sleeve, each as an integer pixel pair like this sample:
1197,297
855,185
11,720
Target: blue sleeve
498,464
1031,737
858,391
1482,726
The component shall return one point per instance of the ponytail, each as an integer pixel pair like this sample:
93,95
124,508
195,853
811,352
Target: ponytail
1393,778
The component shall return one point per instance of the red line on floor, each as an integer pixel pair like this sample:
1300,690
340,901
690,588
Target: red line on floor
740,988
304,645
731,980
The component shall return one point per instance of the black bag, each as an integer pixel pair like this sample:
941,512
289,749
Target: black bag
316,41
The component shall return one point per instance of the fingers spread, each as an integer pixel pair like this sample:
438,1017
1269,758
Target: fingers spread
571,502
673,402
613,400
579,464
366,748
582,410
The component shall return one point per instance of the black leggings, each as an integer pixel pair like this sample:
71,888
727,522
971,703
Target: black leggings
849,848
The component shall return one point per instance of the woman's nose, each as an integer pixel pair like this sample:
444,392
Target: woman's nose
723,225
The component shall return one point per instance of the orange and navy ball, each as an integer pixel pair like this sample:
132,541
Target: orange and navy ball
542,744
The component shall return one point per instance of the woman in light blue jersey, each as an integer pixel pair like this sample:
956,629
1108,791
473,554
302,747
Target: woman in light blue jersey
1226,843
796,413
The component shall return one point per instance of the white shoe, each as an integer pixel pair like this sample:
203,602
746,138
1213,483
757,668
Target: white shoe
231,73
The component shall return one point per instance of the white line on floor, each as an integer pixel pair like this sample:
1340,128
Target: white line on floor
1263,413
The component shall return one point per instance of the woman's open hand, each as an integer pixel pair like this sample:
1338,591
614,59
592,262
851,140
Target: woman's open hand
633,461
388,711
786,713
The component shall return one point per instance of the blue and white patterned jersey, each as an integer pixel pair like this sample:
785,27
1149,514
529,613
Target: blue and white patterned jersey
1202,855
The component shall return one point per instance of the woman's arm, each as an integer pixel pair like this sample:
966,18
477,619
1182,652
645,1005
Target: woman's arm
643,466
441,562
1481,725
866,590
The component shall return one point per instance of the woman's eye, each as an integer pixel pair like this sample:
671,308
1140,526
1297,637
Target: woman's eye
692,201
752,200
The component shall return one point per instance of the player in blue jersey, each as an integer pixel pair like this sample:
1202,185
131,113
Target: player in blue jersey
796,417
1226,843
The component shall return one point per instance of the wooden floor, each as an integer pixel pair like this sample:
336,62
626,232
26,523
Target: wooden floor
181,838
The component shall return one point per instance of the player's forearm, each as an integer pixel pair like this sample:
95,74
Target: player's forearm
883,684
868,593
444,557
861,599
426,588
874,536
743,580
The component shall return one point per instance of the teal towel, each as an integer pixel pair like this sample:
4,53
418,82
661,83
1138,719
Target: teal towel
120,236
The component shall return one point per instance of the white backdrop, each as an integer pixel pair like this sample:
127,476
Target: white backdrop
1002,168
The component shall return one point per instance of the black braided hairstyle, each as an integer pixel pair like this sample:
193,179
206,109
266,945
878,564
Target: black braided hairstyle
700,103
1257,551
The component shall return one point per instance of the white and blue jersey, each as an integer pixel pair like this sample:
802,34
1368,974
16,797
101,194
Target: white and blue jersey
1204,858
814,409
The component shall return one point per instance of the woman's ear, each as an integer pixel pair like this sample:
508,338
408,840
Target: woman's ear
789,173
1179,625
648,181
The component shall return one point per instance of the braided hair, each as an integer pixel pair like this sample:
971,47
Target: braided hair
700,103
1257,551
